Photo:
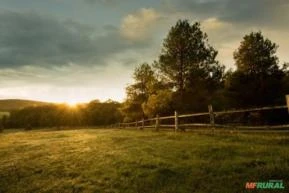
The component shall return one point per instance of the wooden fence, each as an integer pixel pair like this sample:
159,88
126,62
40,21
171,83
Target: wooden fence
156,122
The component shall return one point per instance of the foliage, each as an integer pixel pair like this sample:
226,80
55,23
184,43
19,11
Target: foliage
139,92
187,77
93,114
256,55
258,78
189,62
97,113
159,103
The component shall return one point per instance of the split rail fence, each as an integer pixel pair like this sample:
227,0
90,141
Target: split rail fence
156,122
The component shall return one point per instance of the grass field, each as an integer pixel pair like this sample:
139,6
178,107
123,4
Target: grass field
129,161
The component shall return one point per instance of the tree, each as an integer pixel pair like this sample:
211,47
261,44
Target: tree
97,113
256,55
258,78
189,63
159,103
139,92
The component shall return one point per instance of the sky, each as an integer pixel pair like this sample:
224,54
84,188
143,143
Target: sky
81,50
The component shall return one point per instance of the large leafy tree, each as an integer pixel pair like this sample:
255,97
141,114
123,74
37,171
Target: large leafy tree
139,92
257,80
144,82
189,62
256,55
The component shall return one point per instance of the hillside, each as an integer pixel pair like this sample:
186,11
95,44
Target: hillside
12,104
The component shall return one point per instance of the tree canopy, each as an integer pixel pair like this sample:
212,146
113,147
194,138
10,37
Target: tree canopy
258,80
188,61
256,55
139,92
185,52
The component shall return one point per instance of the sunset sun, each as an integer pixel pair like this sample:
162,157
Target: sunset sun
72,102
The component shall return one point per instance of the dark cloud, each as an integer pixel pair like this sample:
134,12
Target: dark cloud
248,12
257,12
200,8
34,39
104,2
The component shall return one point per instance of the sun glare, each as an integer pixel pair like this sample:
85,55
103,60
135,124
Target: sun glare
72,103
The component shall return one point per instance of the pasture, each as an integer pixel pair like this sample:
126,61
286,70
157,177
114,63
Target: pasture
134,161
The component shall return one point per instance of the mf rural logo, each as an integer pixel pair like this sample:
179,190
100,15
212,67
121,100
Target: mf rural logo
271,184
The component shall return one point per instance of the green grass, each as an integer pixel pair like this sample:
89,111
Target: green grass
129,161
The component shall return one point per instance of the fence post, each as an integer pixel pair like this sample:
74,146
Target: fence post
287,101
136,124
212,118
142,124
176,121
157,122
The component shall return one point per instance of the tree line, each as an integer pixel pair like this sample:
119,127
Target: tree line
95,113
185,77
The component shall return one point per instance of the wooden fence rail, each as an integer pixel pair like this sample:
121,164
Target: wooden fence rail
157,120
251,110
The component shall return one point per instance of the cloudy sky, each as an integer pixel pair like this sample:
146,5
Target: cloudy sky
79,50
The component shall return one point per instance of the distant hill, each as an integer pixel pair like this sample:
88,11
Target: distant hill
13,104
